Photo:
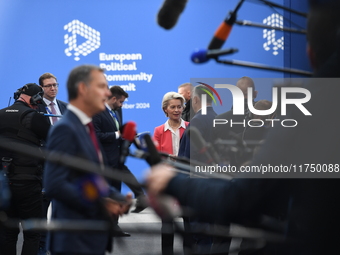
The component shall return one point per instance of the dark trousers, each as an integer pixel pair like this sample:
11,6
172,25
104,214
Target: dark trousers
77,253
45,204
202,243
167,237
130,180
26,202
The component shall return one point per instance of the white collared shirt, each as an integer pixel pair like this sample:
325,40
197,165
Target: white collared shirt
56,107
176,136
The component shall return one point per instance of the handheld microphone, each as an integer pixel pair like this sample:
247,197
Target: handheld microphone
128,134
223,31
202,146
92,187
154,157
169,13
203,55
139,141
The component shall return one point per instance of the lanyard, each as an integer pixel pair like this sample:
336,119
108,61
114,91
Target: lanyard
114,118
48,110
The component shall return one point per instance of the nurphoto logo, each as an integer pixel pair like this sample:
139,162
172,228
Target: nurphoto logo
239,105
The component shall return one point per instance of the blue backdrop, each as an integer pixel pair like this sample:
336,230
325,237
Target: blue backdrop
39,36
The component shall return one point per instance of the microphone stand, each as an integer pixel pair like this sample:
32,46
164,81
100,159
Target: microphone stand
253,24
271,4
265,67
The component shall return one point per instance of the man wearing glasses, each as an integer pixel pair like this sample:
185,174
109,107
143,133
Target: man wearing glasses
52,105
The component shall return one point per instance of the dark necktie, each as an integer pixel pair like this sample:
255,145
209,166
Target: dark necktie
54,119
94,139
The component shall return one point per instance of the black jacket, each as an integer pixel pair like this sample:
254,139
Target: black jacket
188,113
24,128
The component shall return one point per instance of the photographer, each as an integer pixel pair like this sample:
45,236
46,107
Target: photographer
23,127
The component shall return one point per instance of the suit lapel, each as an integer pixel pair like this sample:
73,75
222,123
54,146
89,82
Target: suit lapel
61,106
88,146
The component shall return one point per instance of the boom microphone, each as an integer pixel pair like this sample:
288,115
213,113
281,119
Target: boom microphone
169,13
223,31
203,55
128,134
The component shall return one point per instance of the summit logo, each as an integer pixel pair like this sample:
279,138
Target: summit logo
77,32
274,41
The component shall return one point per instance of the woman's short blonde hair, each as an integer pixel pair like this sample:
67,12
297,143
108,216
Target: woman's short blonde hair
171,95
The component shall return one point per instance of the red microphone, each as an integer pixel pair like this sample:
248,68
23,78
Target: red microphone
128,134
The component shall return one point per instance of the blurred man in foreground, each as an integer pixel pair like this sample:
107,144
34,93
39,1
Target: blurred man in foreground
78,195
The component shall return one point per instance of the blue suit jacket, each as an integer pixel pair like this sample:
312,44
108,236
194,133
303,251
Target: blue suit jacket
70,136
62,106
105,130
204,123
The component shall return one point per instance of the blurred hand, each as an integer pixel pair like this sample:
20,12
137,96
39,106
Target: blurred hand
126,206
172,157
116,208
158,178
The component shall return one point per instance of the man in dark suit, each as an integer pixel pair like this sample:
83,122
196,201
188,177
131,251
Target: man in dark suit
226,131
310,203
203,122
223,131
107,125
51,104
185,90
74,135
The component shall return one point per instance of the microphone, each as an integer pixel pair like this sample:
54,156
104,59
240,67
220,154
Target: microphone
203,55
169,13
139,141
128,134
223,31
154,157
92,186
204,148
51,115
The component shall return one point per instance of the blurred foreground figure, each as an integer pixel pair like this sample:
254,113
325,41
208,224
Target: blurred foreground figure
76,195
310,206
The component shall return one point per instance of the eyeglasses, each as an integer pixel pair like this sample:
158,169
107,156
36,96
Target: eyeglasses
50,85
